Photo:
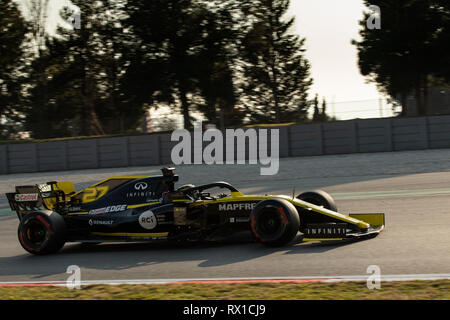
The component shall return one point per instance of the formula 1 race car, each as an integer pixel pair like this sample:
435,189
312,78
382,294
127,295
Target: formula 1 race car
150,208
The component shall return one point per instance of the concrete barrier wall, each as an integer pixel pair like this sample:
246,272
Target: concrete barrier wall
370,135
82,154
113,152
3,159
165,148
339,137
52,156
144,150
305,140
410,134
439,132
374,135
22,158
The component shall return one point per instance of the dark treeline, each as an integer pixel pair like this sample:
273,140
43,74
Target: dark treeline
409,54
233,61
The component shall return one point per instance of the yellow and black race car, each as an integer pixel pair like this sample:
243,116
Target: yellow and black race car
150,208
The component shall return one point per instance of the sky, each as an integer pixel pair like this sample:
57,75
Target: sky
328,26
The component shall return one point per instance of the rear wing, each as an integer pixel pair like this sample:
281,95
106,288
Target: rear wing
51,196
26,199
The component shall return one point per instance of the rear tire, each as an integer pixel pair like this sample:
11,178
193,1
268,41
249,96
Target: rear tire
275,222
40,233
319,198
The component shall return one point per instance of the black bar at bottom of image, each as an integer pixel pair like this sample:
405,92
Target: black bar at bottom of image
229,309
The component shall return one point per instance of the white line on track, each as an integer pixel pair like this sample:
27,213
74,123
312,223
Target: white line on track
386,278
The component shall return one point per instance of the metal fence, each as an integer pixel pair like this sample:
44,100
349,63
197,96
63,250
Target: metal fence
370,135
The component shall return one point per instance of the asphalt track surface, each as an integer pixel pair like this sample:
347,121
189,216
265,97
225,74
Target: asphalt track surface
412,188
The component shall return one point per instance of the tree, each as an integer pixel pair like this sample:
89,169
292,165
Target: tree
320,113
37,14
276,71
192,52
166,55
75,84
215,68
324,117
402,56
13,33
317,114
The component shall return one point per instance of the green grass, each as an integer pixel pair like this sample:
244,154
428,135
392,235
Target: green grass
417,290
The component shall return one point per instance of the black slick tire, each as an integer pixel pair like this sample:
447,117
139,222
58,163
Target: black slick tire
42,233
275,222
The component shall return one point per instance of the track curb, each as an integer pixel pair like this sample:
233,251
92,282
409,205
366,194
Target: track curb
298,280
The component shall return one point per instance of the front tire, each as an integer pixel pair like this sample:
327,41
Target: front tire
319,198
275,222
40,233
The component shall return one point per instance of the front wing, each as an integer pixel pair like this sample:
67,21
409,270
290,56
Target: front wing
340,231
